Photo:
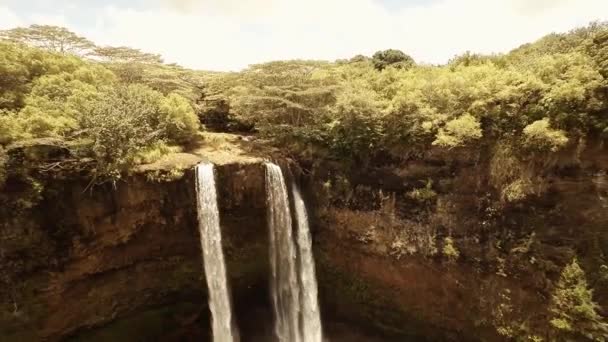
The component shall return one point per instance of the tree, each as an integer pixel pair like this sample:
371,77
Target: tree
123,54
572,306
130,65
356,129
391,57
359,58
52,38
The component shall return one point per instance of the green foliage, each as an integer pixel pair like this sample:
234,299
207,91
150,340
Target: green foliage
360,110
177,119
55,103
540,136
11,128
352,111
357,121
458,132
572,306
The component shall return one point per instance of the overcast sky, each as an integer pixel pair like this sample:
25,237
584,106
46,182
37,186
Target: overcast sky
231,34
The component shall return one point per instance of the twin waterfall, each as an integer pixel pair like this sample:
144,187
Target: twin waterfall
293,281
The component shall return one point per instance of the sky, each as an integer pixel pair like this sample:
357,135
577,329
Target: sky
228,35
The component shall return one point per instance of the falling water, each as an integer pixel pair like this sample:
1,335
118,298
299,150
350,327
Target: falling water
311,320
213,256
294,294
284,282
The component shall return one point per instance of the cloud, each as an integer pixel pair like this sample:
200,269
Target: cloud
230,34
528,7
8,19
239,8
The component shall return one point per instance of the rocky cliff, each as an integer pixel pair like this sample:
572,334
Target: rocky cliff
425,248
75,257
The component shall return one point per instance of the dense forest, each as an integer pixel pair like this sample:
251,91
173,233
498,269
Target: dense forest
117,107
536,99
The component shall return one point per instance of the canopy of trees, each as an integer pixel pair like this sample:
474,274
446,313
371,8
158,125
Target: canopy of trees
541,97
116,104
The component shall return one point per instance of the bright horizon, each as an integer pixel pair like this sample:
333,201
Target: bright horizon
228,35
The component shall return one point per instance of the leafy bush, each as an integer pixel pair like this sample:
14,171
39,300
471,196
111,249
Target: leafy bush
177,119
540,136
458,132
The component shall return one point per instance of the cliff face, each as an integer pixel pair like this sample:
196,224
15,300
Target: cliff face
422,248
78,259
428,247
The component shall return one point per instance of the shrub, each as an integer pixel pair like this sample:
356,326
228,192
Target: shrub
540,136
459,131
177,119
449,250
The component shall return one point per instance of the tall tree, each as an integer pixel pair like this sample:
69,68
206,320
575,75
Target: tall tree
126,55
391,57
574,311
53,38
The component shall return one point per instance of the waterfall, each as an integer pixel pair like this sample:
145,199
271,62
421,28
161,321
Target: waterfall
311,320
293,283
213,256
284,283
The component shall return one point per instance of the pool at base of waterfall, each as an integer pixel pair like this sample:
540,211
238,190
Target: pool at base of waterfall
190,323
